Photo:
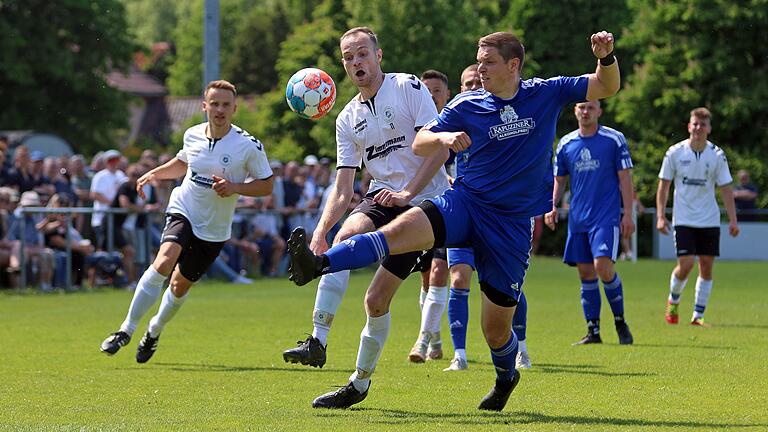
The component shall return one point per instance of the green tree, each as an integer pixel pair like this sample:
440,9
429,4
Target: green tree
54,58
151,20
699,53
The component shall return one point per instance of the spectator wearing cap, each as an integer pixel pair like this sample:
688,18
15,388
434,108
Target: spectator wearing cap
20,176
42,169
103,192
39,258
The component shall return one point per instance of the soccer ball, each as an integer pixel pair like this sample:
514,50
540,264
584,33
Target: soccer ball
310,93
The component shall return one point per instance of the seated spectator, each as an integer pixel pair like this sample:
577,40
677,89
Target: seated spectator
55,232
37,257
745,196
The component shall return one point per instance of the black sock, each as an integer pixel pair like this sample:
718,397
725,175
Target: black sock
618,319
593,327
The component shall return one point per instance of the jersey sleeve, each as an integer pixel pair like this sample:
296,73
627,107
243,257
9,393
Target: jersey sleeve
258,164
182,154
623,158
448,120
348,153
561,161
571,89
419,101
667,171
723,171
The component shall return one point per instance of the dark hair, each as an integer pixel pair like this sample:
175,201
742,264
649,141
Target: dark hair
365,30
509,46
433,74
220,84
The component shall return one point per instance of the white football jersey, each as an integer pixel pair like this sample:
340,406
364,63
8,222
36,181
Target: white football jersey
379,132
236,157
695,176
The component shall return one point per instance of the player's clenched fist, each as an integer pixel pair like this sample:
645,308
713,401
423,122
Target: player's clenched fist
456,141
602,44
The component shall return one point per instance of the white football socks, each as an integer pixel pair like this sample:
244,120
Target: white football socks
372,340
147,291
168,308
703,289
330,293
422,298
676,287
434,306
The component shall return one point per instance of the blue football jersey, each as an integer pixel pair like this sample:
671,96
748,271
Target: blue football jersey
593,164
508,167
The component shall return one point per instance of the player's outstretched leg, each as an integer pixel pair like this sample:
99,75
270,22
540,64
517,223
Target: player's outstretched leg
507,376
308,352
304,263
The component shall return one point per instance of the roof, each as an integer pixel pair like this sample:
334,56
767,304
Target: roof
137,83
181,109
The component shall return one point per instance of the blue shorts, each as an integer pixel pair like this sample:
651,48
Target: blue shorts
461,256
501,244
584,247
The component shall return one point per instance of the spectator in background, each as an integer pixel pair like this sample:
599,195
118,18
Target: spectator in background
3,167
278,194
745,196
39,258
20,176
97,163
292,196
266,234
103,192
55,231
6,206
42,182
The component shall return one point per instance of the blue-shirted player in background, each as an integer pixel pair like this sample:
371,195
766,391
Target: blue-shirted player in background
508,129
598,162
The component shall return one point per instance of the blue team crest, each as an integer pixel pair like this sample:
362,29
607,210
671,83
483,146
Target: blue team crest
225,159
508,114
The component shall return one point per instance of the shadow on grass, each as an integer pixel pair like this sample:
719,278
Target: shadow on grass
579,369
399,417
737,325
683,346
196,367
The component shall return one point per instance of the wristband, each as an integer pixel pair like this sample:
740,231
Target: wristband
608,60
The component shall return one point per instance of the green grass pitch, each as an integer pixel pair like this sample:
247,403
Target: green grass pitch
219,363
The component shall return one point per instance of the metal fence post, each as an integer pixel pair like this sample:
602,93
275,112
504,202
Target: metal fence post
68,240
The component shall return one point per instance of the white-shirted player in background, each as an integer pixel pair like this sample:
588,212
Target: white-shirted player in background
221,162
377,128
696,166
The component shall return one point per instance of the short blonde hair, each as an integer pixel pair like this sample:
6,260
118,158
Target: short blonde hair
701,113
365,30
220,84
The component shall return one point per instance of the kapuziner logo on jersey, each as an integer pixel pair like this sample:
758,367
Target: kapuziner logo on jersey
585,162
385,149
512,125
225,159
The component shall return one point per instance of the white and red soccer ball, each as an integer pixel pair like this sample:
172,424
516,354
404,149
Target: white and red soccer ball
310,93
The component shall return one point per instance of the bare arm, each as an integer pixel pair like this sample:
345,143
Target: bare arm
662,193
557,193
429,167
253,188
627,197
338,201
172,169
744,194
726,193
606,79
427,142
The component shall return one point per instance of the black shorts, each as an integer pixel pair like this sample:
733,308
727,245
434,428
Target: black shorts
697,241
196,255
399,265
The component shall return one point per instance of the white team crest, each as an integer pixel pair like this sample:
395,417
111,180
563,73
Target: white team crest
585,154
508,114
225,159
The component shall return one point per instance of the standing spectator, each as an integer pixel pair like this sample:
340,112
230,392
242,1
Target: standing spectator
264,229
745,195
39,258
42,182
6,247
696,166
103,192
20,176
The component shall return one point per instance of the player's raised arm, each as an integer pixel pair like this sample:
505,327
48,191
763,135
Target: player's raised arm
172,169
606,79
427,142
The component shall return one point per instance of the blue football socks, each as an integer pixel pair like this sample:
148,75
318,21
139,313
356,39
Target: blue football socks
358,251
521,317
504,359
458,317
615,295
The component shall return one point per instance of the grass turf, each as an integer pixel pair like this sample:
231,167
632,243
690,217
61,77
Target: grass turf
219,363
